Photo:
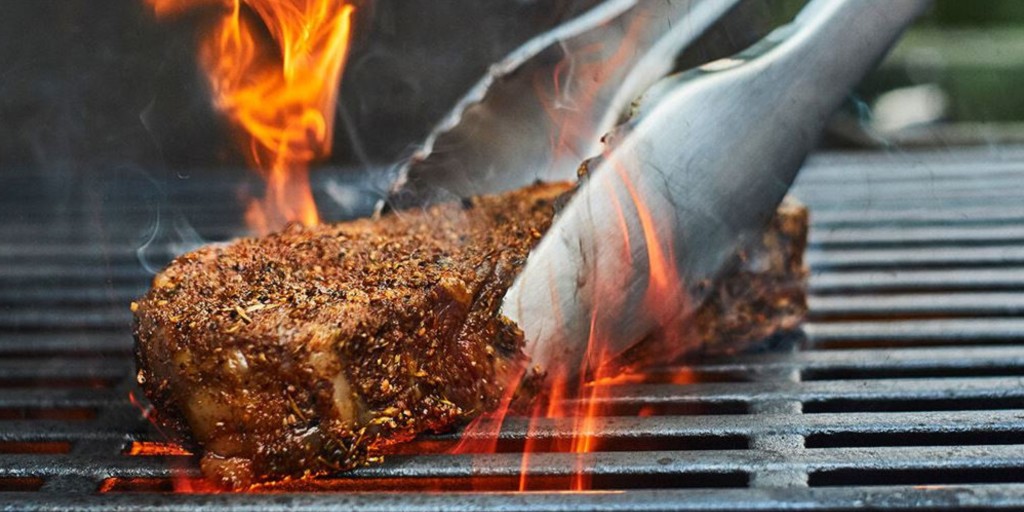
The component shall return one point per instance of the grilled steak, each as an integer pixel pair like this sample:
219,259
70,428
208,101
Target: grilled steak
314,350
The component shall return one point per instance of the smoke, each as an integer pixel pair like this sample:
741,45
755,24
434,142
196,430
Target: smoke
168,238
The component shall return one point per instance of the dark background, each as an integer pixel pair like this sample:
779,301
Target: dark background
94,84
86,83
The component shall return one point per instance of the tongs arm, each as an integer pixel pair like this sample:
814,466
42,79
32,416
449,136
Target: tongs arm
702,167
543,109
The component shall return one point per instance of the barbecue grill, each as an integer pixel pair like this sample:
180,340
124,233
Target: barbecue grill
906,388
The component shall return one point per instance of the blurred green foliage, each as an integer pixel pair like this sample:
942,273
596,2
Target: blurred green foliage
973,50
947,13
976,13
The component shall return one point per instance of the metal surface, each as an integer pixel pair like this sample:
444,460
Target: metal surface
539,112
908,397
699,169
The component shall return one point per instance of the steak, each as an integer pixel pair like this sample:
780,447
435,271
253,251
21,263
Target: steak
315,350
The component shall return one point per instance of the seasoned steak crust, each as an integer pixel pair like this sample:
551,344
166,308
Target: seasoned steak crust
313,350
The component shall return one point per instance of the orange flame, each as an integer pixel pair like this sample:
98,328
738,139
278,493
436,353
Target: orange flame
155,449
279,93
569,96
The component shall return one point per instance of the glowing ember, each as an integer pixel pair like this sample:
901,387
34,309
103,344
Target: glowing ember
279,93
154,449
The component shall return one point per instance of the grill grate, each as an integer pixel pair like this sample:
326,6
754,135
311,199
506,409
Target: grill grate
907,391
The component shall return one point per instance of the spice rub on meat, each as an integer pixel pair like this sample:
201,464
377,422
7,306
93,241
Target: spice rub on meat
313,350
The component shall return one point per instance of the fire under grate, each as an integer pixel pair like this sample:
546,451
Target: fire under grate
907,389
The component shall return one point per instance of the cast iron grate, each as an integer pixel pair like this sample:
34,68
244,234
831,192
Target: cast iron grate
907,391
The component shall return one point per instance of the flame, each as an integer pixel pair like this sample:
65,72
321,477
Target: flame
180,480
273,67
663,277
569,100
587,411
146,412
278,93
570,96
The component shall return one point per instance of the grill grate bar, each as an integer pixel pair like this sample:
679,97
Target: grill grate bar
911,371
50,398
1003,392
933,304
116,297
48,344
101,278
63,272
872,281
893,191
746,391
915,236
919,166
971,332
628,427
650,463
863,360
657,430
908,358
95,288
823,258
115,318
952,497
43,240
54,430
752,362
91,255
824,307
13,369
980,215
916,257
76,319
887,389
869,205
670,462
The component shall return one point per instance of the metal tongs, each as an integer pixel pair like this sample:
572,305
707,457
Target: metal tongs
543,109
698,168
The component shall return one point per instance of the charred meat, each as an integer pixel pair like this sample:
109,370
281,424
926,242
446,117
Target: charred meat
314,349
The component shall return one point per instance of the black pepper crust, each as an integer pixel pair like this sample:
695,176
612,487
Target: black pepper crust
313,350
